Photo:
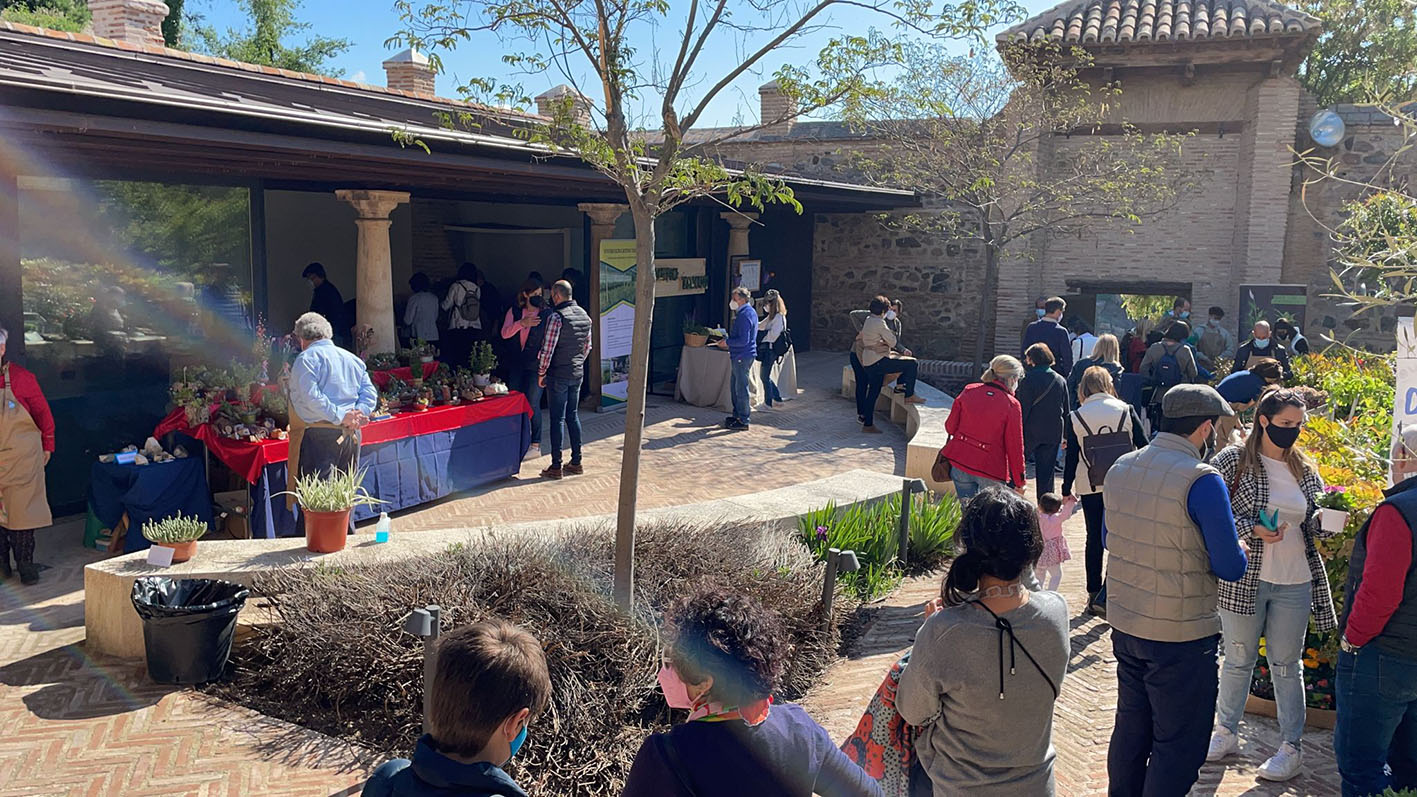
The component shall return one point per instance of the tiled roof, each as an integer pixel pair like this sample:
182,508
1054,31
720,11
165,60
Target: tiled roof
1106,21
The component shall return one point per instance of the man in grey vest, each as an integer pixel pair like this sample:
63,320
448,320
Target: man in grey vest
1170,534
561,368
1377,666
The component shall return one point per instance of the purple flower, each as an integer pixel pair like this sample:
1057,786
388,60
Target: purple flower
821,534
1334,488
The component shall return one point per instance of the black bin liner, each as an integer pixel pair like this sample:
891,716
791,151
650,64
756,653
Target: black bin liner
188,625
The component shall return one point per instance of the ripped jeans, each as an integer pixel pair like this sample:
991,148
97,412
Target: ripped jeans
1282,618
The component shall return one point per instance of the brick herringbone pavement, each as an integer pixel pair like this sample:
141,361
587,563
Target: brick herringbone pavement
1082,720
73,725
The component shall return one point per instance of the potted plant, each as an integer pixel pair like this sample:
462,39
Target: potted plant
1334,506
423,351
695,335
481,362
178,533
383,361
327,500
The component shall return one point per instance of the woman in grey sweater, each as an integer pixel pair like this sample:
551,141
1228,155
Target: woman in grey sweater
988,663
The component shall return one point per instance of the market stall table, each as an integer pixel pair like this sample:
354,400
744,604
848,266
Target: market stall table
410,459
148,492
705,378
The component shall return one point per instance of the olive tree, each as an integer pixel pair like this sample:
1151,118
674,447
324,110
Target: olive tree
642,70
979,138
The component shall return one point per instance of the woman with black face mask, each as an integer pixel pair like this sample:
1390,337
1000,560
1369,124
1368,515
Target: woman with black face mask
1273,489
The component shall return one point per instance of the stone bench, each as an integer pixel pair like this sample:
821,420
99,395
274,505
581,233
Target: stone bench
924,424
113,628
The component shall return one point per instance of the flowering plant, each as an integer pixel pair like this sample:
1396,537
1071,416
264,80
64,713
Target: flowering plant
1335,497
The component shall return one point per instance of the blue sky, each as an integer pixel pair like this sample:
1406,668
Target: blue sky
368,23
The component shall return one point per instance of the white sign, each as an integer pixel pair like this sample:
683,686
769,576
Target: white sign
1404,405
751,272
160,555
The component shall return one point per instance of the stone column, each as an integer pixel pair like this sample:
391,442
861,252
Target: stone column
374,264
603,216
739,225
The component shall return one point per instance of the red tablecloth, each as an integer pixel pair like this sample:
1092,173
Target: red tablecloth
381,378
249,459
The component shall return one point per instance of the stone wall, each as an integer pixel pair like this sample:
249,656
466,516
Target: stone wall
1316,207
857,256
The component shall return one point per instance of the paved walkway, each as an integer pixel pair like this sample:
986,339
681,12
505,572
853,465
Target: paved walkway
1083,714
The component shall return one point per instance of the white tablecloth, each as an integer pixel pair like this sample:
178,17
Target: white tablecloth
705,378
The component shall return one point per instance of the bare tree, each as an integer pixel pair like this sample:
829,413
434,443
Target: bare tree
978,138
609,50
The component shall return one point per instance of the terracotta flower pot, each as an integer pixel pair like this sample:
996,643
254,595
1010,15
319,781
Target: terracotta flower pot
695,341
327,532
181,551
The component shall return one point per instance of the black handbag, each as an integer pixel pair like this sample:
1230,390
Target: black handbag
783,343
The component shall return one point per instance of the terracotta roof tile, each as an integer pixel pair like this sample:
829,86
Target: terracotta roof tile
1109,21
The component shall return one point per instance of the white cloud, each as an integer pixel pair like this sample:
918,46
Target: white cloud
359,77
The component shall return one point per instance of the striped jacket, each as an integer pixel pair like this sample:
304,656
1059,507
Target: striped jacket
1250,494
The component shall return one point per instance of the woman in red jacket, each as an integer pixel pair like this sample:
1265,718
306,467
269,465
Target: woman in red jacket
986,431
27,438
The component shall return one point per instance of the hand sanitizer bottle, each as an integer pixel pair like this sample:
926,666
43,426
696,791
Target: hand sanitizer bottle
382,528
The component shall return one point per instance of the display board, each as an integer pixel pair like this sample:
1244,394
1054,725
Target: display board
1271,303
683,276
1404,405
617,320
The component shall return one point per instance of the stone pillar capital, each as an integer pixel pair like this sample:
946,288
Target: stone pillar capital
739,221
603,212
372,205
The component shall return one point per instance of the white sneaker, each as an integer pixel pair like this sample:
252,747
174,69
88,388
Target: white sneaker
1223,743
1284,764
533,453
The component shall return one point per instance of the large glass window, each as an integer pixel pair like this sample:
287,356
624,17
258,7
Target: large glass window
123,282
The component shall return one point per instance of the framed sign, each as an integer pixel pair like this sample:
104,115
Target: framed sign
745,271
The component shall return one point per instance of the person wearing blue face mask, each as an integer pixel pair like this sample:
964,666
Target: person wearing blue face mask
1262,346
490,682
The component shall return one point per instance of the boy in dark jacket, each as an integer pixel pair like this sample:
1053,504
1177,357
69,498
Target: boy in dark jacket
490,682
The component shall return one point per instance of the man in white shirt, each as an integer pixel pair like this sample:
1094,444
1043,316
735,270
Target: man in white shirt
1083,340
420,315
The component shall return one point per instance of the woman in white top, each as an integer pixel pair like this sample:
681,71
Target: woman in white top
771,327
1273,489
420,315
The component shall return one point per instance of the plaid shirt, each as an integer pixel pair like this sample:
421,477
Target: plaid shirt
1250,494
548,345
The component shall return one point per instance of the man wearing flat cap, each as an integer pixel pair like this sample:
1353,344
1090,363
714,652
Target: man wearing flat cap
1170,534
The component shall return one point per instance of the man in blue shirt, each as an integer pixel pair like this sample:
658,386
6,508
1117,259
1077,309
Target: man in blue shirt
331,398
742,345
1048,331
1170,535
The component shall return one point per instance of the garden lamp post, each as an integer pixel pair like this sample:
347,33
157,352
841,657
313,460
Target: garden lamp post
838,561
426,623
908,488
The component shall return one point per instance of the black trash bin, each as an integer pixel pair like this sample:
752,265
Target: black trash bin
188,625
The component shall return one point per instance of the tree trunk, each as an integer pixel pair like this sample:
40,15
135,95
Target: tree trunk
987,295
634,403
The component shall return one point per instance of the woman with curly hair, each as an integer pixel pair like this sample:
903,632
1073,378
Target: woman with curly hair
726,656
988,663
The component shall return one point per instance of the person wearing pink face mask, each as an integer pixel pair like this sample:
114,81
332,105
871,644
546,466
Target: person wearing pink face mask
727,655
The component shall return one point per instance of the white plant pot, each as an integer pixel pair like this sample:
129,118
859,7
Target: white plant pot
427,358
481,380
1333,520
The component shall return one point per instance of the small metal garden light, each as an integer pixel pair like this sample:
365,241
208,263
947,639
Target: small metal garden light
908,488
838,561
426,623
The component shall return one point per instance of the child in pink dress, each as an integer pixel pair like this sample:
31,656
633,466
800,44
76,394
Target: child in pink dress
1052,511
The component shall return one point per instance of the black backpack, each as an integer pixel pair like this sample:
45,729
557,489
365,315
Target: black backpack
1168,370
1101,449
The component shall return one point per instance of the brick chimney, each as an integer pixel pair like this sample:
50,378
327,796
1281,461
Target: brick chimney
134,21
774,106
547,104
409,71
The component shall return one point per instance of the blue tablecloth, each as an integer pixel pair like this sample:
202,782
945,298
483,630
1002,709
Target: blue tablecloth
409,471
148,492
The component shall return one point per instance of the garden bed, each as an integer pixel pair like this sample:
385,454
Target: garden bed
336,660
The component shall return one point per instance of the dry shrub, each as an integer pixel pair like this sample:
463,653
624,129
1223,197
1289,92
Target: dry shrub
337,660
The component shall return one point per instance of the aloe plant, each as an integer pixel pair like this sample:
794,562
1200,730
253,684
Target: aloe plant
174,530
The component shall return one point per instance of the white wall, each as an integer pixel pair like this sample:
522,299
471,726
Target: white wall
306,226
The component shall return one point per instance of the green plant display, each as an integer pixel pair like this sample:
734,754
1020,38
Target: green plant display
871,531
693,328
335,492
482,360
174,530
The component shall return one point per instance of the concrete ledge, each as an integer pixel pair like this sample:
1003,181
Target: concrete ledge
924,425
113,628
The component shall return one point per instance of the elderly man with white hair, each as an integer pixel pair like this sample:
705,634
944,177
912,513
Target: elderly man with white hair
26,442
331,398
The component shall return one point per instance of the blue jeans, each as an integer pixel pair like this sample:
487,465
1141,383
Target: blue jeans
770,391
1282,618
1164,694
1377,721
564,399
859,371
531,387
967,485
742,367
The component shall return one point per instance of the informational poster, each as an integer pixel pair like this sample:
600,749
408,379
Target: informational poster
1271,303
617,320
1404,405
750,272
680,276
